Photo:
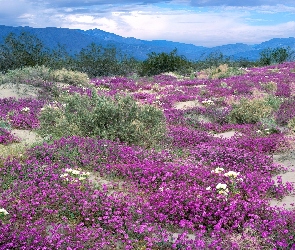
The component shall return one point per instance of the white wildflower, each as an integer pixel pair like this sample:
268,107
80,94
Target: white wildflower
225,192
2,210
208,102
26,109
64,175
217,170
75,172
85,173
231,174
221,186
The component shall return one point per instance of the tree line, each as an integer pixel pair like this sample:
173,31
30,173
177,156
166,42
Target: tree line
25,50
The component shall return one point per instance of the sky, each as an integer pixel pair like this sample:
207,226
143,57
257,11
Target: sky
206,23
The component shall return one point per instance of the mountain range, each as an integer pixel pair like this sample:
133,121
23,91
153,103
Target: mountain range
74,40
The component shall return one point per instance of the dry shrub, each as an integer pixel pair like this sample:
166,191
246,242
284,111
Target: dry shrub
74,78
291,125
269,87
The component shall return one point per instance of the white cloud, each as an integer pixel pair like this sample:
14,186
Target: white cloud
216,26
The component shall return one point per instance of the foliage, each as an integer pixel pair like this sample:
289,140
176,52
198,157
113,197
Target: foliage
95,61
250,111
163,62
220,71
59,58
291,124
214,59
27,75
22,51
277,55
70,77
269,87
273,101
102,116
269,125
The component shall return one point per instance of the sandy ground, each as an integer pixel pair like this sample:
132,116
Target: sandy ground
18,91
26,136
187,105
227,134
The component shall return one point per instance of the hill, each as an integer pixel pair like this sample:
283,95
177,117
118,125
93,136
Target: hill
75,39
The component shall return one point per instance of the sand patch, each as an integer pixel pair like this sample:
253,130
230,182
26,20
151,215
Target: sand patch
18,91
187,105
26,136
112,185
228,134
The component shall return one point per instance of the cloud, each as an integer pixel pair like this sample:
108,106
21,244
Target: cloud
88,3
11,10
175,20
202,3
206,29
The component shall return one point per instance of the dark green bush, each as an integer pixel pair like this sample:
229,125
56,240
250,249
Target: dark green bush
277,55
160,63
24,50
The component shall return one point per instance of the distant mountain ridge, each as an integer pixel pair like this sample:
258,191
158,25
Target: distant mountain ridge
75,39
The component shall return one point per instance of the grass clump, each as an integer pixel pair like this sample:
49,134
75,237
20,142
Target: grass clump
270,87
274,101
70,77
26,75
221,71
250,111
291,124
38,74
109,118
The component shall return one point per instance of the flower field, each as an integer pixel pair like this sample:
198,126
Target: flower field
141,163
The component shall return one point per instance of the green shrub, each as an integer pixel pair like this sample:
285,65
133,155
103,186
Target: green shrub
74,78
222,71
274,102
250,111
4,124
269,126
270,56
119,118
158,63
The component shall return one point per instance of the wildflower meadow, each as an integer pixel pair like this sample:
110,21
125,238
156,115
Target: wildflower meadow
147,163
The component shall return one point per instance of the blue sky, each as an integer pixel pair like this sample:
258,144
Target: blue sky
200,22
